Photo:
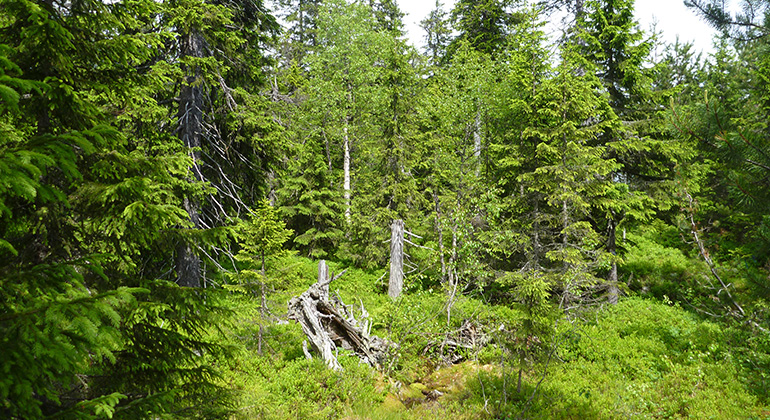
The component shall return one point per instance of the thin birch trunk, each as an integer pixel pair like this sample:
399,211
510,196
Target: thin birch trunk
477,141
262,306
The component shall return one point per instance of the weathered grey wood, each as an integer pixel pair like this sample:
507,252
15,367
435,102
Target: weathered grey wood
346,169
323,274
329,325
396,281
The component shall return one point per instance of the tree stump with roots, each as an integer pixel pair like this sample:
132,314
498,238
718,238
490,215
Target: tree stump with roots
329,324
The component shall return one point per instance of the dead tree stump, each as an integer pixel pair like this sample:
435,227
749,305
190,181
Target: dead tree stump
329,325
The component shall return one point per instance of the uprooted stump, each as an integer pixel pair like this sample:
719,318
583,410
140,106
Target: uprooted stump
329,325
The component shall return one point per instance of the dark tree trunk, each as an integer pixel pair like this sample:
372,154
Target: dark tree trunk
190,131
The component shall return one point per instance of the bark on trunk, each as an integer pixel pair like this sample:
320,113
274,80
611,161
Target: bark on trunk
346,171
329,325
453,279
536,248
396,282
190,131
346,158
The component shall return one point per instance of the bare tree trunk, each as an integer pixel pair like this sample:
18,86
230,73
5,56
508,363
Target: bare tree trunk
453,257
190,131
707,257
346,156
453,280
396,282
346,171
304,310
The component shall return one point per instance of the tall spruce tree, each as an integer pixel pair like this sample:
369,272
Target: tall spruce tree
485,25
388,16
615,50
572,176
211,58
438,33
301,34
552,173
85,216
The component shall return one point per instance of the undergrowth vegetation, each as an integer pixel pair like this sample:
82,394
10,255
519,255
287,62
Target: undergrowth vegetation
642,358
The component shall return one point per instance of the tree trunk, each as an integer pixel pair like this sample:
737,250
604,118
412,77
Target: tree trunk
453,280
188,264
535,258
190,131
346,188
396,282
346,170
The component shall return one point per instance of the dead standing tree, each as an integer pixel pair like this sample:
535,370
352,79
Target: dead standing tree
328,324
398,257
396,279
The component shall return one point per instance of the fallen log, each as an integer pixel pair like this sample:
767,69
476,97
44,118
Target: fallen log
329,325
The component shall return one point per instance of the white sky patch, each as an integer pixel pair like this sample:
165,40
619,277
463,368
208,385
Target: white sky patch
672,18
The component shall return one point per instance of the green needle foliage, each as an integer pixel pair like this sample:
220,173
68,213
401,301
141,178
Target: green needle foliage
262,236
92,192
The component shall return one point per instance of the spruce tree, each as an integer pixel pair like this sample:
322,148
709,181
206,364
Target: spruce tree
301,32
63,315
485,25
98,192
438,32
332,112
213,61
615,51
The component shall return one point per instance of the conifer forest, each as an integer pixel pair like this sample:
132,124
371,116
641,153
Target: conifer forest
283,209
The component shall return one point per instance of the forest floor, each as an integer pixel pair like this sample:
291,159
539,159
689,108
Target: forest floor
641,358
